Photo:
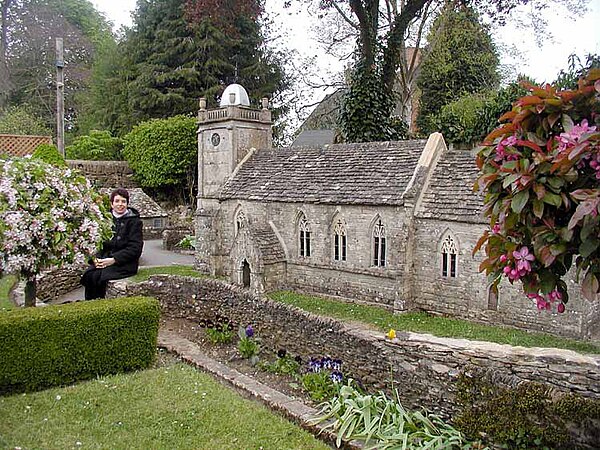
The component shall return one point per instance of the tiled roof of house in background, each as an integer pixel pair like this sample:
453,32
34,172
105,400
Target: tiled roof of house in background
374,173
141,201
17,145
311,138
449,194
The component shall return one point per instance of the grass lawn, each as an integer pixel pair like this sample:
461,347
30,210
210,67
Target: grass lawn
173,407
145,273
419,322
6,284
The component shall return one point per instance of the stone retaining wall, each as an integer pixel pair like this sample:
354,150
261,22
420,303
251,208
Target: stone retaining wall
105,174
172,236
424,368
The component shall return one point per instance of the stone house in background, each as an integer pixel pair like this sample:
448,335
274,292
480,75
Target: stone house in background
387,223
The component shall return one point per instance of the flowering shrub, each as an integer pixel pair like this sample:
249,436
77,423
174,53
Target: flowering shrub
541,172
49,217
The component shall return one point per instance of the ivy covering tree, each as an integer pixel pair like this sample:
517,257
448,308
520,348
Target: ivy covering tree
461,59
381,28
541,174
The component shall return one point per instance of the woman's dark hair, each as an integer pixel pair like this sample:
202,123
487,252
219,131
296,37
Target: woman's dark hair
120,192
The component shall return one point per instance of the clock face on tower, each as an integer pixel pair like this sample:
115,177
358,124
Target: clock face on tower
215,139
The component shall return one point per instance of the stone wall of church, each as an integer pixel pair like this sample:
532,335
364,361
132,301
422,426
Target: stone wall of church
355,277
466,295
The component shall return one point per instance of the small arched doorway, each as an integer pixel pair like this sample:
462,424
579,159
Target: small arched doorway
246,274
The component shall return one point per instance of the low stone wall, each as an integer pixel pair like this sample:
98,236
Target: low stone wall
172,236
424,368
51,284
54,283
105,174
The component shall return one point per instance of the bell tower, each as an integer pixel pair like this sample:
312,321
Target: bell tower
225,136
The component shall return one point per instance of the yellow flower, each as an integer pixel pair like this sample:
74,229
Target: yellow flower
391,334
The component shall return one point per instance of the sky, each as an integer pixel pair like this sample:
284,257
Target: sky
580,36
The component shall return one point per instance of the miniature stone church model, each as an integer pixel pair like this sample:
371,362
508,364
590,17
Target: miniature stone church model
386,223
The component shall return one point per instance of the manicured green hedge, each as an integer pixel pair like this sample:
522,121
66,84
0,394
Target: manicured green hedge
58,345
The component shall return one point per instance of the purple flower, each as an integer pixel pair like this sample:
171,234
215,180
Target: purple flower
337,376
249,331
314,365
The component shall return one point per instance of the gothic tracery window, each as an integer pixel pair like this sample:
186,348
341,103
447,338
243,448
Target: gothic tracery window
379,244
339,241
304,244
449,257
240,221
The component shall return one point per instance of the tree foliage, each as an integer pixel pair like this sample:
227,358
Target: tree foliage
385,29
540,172
22,120
460,59
27,44
163,154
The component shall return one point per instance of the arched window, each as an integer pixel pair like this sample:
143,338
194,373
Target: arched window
339,241
379,246
240,221
304,244
493,298
449,257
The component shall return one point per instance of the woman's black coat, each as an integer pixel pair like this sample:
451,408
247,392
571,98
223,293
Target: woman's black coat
125,246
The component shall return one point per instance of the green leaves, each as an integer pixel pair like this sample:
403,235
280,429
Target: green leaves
519,201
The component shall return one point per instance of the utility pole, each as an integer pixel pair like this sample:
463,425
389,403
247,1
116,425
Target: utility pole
60,97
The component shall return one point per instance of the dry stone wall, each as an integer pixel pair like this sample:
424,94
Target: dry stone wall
105,174
424,368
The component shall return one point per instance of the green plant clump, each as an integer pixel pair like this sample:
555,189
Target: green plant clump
522,417
61,344
285,364
384,423
248,344
49,154
97,146
221,333
187,243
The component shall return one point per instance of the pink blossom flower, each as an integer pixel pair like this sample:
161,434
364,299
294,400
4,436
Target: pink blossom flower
523,259
561,308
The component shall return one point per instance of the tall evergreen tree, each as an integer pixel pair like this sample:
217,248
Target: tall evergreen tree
170,58
461,59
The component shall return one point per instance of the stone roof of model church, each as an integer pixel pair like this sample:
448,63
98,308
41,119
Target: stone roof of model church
365,174
449,195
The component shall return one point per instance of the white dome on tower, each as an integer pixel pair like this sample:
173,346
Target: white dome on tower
234,94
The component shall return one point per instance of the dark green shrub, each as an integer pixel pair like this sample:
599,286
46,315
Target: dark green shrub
495,106
457,121
163,153
524,416
49,154
58,345
97,146
23,120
